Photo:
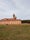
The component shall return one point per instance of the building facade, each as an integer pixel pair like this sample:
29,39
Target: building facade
13,20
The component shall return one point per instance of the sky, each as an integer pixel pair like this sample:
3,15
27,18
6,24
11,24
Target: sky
21,8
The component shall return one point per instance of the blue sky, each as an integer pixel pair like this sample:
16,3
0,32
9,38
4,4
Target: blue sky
21,8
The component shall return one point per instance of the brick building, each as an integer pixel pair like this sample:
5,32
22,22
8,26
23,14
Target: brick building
13,20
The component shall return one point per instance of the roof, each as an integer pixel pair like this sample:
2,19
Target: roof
10,19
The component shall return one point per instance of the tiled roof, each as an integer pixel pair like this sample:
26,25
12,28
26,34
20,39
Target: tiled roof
9,19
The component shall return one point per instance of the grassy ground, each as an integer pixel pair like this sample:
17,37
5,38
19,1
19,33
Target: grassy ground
14,32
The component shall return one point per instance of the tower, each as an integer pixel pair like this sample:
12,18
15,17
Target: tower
14,16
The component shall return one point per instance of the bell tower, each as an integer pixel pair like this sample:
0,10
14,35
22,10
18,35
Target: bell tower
14,16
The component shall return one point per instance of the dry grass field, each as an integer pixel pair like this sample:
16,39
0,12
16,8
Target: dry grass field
15,32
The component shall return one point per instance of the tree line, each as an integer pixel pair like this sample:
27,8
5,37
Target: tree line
25,21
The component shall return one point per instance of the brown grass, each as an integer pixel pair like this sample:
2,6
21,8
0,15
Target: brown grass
15,32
